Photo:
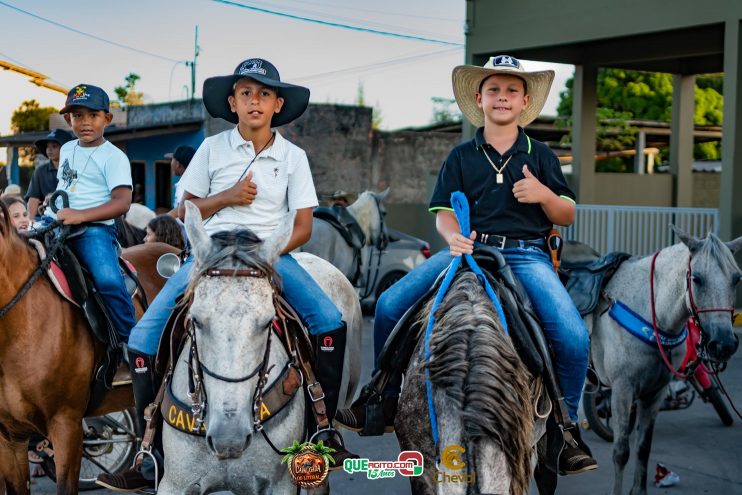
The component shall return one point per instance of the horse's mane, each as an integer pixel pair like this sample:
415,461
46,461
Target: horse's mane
715,249
475,364
234,249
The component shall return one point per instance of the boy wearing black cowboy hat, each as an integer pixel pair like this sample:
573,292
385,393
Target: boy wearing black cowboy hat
516,193
248,177
44,179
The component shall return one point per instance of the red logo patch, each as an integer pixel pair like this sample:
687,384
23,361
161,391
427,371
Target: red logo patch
327,344
139,365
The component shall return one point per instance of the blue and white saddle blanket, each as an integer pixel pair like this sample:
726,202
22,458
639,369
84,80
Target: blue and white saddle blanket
642,329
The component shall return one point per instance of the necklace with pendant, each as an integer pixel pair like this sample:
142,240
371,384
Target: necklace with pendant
499,177
73,186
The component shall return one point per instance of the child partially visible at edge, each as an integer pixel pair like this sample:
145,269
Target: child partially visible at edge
97,178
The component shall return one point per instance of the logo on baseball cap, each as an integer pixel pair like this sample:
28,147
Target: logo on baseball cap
88,96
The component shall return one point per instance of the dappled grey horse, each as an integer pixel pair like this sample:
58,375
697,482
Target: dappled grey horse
483,399
693,278
231,321
327,243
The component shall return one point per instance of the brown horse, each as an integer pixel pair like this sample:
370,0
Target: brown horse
47,361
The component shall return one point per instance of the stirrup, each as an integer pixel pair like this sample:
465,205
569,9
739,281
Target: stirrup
139,458
332,432
375,424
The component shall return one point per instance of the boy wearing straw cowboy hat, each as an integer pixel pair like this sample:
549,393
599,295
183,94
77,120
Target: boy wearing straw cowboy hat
247,177
516,193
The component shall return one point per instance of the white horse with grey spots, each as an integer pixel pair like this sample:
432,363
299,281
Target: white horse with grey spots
232,318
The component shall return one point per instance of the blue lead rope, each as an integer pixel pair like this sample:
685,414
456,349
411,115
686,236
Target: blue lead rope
461,209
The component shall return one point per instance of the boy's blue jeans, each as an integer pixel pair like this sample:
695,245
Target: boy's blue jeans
97,250
298,287
562,323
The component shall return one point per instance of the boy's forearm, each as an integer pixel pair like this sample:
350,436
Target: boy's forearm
446,224
107,211
33,207
302,230
208,206
560,211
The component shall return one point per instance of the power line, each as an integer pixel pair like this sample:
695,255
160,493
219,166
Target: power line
338,25
83,33
382,12
378,65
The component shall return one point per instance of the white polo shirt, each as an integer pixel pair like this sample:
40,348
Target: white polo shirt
281,174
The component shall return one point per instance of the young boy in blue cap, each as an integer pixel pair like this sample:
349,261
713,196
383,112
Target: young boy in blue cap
44,179
516,193
97,178
247,177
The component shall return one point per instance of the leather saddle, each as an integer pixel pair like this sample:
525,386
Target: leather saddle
586,277
524,329
349,230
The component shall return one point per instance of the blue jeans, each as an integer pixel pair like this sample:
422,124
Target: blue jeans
98,251
563,326
314,307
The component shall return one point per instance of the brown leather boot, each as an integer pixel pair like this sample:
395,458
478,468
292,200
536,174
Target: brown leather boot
127,481
354,418
576,460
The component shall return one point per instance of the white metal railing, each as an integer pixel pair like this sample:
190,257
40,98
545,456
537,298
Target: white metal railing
638,230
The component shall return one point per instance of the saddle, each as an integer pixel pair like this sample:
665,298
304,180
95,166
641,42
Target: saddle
293,336
586,279
524,329
349,230
74,284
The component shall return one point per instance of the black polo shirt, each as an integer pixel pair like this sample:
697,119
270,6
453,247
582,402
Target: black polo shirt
43,182
492,207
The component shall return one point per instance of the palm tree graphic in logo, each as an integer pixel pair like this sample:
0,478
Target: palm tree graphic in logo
308,463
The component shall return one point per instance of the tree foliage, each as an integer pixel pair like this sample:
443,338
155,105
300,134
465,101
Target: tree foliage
127,94
376,116
636,95
444,110
30,117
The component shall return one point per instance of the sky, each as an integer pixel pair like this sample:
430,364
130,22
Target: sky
400,71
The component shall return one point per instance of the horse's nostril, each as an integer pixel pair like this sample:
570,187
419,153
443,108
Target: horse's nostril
247,442
210,443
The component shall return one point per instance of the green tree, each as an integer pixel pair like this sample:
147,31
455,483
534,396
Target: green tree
128,96
627,94
30,117
444,110
376,116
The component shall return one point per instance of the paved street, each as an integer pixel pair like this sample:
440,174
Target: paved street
692,442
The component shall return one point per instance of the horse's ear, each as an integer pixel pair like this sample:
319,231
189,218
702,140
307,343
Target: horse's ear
381,196
735,245
274,245
197,236
691,242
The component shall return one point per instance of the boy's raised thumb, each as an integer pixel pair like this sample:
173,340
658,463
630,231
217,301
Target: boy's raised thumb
248,177
527,172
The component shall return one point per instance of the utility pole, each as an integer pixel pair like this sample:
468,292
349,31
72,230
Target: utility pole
192,64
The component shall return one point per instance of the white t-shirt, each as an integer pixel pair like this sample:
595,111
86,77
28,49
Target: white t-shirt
89,174
178,196
281,174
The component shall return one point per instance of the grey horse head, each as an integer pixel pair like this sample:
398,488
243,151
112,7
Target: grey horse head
714,279
369,212
232,317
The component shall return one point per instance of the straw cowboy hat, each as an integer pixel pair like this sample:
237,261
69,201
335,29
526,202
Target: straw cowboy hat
468,78
218,89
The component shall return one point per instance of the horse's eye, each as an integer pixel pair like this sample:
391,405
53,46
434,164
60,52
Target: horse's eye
736,279
697,280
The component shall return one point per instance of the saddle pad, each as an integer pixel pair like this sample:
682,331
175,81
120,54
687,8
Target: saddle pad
642,329
55,273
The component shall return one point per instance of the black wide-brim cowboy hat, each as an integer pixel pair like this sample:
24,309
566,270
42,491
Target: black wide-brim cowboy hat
58,135
218,89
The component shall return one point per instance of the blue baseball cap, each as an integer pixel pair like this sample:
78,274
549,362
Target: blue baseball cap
88,96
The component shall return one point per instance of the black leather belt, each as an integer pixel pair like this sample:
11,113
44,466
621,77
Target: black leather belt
502,242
